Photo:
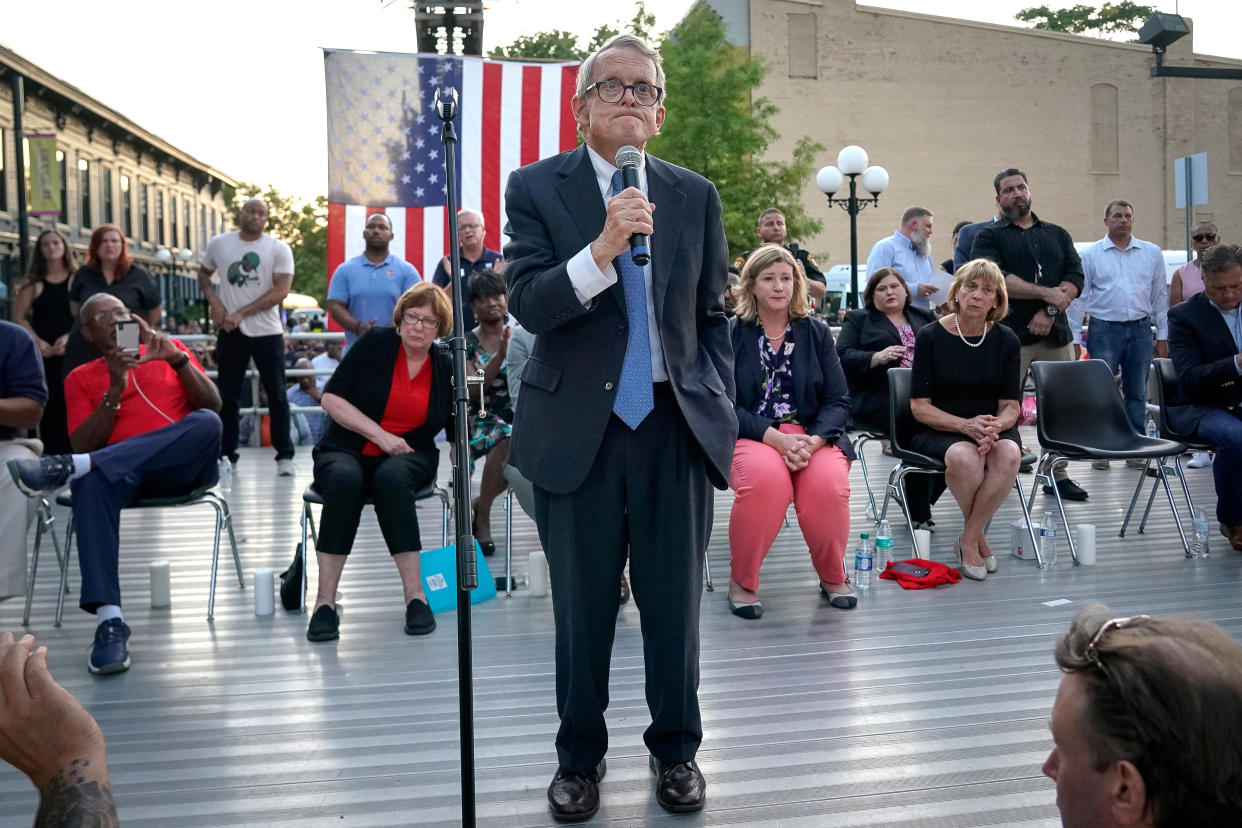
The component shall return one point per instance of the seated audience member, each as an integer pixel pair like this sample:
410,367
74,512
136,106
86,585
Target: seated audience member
1205,342
141,426
23,394
792,410
487,345
386,402
964,391
47,735
304,392
874,338
326,360
1147,723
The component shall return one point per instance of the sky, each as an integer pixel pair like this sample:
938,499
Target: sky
239,84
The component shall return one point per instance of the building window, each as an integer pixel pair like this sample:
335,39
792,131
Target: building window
1235,129
213,222
185,224
172,220
84,192
105,186
159,217
803,46
63,218
4,173
144,212
202,227
127,208
1105,154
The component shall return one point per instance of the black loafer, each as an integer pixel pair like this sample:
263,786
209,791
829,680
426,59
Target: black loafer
325,625
419,619
680,787
573,796
1069,490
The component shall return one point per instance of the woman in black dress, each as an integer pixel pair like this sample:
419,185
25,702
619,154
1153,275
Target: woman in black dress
109,269
965,390
874,338
42,307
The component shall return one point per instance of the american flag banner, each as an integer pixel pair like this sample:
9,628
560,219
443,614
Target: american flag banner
385,153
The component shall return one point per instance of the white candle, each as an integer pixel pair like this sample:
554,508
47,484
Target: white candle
264,602
1086,544
922,544
161,585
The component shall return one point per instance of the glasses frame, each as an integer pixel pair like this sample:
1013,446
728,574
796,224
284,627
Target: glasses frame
421,322
628,87
1205,237
118,315
1092,653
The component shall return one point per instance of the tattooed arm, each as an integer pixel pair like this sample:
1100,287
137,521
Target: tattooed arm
47,735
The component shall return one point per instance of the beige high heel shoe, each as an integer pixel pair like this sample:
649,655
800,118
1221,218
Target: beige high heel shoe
975,573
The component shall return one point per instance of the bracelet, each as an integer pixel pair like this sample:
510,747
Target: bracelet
113,406
185,360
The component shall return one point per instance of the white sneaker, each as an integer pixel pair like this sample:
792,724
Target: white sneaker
1200,460
284,468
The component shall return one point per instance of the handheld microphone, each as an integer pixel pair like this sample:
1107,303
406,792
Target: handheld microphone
628,159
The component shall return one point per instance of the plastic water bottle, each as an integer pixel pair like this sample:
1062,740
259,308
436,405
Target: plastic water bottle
1048,541
1199,547
863,559
883,546
226,475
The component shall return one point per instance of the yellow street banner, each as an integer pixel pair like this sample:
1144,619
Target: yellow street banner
44,174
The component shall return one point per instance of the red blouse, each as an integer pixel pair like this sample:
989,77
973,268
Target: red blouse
407,401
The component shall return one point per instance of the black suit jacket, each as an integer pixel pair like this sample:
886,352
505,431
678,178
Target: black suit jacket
864,332
554,210
1202,349
820,393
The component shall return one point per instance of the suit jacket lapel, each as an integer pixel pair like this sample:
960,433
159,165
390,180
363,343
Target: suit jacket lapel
579,189
664,192
1217,326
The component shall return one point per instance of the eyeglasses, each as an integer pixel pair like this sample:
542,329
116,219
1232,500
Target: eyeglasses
1091,652
469,226
415,321
611,91
118,315
1202,237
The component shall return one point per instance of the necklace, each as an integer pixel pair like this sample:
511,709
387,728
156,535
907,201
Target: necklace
962,336
776,338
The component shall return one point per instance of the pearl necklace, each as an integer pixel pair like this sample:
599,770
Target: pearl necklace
962,336
776,338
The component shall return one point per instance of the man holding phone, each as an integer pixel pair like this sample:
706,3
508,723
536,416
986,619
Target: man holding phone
141,425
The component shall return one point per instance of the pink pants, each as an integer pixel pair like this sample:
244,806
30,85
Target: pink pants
763,489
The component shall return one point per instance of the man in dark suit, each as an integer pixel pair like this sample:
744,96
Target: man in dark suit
626,416
1205,342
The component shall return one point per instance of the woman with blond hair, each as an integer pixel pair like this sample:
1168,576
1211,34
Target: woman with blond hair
792,409
965,391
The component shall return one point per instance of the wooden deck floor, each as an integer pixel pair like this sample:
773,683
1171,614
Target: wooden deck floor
921,708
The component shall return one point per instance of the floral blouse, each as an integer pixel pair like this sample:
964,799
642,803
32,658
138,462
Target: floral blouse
778,385
907,340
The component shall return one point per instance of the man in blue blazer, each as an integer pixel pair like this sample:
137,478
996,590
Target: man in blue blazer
1205,342
626,416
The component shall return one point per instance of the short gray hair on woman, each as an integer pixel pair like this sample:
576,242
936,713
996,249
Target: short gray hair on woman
621,41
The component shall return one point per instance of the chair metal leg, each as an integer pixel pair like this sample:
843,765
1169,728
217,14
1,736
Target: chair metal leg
215,560
1134,499
1069,533
902,501
1181,475
307,520
1151,498
509,543
64,572
446,515
1177,519
862,461
888,490
707,571
1030,525
44,526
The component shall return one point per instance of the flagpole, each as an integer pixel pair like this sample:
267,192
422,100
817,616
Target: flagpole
467,569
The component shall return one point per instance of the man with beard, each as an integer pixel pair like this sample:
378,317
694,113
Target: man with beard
1043,274
365,289
908,251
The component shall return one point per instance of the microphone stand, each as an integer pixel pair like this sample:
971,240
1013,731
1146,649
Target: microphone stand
467,568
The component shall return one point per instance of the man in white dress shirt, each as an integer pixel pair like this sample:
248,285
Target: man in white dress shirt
1125,293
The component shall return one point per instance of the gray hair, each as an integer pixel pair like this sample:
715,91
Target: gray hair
621,41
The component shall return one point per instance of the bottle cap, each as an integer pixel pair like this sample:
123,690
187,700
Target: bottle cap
865,535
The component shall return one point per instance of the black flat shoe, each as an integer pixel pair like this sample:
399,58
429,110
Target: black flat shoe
573,796
419,619
325,625
291,582
749,611
680,787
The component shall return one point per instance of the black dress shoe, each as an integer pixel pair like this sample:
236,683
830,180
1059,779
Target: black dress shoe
1069,490
573,796
680,787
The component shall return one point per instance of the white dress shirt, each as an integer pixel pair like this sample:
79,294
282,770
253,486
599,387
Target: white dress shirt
589,281
1122,285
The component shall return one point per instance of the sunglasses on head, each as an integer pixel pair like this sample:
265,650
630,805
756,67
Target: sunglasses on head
1202,237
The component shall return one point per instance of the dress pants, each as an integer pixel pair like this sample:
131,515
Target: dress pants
16,513
647,495
1223,429
234,350
347,478
176,459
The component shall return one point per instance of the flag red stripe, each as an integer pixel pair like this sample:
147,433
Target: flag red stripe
531,87
569,127
414,241
493,88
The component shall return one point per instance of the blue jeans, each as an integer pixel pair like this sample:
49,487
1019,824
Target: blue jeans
1127,347
1224,430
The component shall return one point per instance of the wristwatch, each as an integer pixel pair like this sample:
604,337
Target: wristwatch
185,360
1052,310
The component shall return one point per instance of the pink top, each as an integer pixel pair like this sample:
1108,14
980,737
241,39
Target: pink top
907,339
1192,279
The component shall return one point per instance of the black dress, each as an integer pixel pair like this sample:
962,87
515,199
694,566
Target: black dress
136,290
963,381
51,319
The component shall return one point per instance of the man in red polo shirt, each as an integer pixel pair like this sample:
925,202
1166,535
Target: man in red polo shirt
140,426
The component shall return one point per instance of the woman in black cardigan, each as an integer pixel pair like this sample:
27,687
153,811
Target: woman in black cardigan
873,339
387,400
792,410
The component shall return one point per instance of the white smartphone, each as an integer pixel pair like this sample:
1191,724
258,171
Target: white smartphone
127,336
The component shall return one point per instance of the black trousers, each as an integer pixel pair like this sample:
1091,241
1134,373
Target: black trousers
647,496
347,478
234,350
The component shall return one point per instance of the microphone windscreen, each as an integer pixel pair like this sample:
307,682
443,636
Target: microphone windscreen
628,156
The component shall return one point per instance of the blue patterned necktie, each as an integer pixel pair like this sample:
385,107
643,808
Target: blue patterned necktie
634,400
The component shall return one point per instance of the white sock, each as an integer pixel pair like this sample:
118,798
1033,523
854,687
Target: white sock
107,611
81,466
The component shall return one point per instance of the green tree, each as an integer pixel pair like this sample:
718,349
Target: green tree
301,225
715,129
562,45
1109,19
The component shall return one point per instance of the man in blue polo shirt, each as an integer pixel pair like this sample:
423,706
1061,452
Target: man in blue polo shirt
365,289
908,251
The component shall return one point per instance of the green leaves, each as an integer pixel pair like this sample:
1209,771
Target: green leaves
1110,19
303,226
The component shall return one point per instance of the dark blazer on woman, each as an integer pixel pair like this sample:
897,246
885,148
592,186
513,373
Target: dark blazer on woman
364,379
820,391
864,332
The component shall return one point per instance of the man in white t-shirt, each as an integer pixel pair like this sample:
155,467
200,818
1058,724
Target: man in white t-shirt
256,271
